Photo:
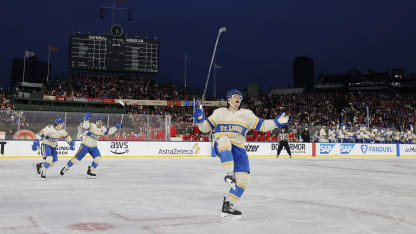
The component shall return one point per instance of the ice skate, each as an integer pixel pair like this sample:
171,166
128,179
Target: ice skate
63,170
229,212
42,174
90,173
38,167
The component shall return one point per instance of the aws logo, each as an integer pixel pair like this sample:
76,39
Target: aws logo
326,148
119,147
346,148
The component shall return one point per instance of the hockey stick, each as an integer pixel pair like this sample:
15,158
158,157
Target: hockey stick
221,30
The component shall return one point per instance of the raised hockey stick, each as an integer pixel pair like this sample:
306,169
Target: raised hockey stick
221,30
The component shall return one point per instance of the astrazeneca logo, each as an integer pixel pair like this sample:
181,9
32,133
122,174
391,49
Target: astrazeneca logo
346,148
326,148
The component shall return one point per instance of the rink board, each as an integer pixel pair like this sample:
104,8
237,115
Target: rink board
169,149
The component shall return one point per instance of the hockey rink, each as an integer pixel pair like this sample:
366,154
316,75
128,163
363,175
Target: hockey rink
184,195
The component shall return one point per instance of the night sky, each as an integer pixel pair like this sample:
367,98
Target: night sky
262,41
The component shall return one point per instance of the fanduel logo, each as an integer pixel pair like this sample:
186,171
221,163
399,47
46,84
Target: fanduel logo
326,148
364,148
376,149
346,148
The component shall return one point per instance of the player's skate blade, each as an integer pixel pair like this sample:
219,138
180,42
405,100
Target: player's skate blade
63,170
90,174
38,166
42,174
230,216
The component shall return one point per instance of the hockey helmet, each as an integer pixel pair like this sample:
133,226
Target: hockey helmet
234,91
99,118
59,120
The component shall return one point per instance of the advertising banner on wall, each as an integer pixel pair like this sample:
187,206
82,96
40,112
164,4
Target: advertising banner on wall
355,150
407,150
168,149
269,149
114,149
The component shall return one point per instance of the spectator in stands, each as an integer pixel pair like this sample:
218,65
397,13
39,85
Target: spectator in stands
196,137
172,131
306,136
187,137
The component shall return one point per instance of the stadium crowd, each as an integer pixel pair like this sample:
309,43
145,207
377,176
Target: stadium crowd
142,88
313,111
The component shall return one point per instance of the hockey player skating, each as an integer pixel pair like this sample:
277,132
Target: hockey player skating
89,144
49,137
230,126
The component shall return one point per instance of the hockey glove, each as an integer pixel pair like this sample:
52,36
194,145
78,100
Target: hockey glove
72,145
119,125
230,180
35,145
87,116
199,115
282,120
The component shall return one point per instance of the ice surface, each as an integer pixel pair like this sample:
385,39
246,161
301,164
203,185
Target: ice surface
184,195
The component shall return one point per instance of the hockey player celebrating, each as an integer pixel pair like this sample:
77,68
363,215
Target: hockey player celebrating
230,126
89,144
49,137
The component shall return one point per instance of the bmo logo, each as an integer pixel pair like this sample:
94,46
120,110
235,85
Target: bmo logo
346,148
325,148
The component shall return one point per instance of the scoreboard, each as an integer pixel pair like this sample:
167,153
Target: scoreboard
114,54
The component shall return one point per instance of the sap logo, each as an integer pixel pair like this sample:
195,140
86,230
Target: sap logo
346,148
252,148
119,147
364,148
326,148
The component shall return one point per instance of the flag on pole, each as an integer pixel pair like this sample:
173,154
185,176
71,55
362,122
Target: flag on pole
53,48
29,54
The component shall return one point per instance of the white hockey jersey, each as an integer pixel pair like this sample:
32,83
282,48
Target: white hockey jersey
94,133
235,124
50,135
